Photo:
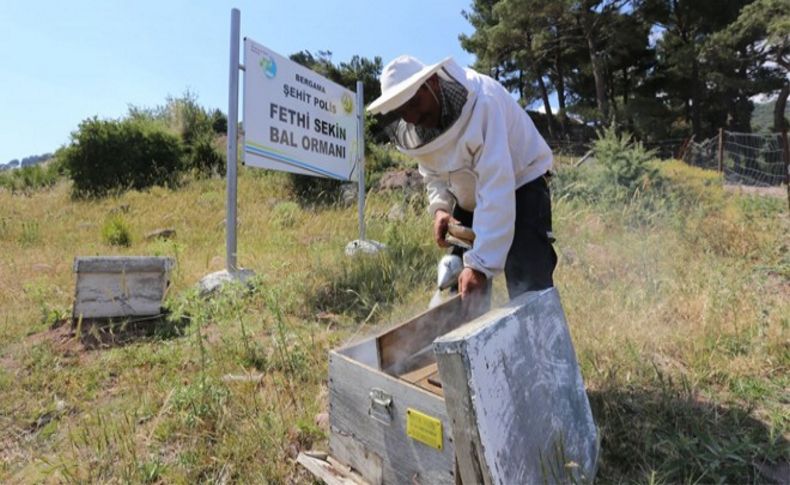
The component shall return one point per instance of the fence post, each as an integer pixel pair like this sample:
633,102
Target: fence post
787,162
685,148
721,150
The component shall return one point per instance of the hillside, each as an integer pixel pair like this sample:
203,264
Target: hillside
677,300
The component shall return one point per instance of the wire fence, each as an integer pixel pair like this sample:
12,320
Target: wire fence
666,149
744,158
757,159
663,149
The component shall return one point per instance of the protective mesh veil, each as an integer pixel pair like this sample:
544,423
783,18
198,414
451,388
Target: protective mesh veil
451,96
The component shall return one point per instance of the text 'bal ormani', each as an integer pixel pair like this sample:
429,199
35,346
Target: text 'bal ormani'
315,145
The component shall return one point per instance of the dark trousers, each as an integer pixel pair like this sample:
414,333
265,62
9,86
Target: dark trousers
531,260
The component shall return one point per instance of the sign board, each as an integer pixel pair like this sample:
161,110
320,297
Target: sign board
296,120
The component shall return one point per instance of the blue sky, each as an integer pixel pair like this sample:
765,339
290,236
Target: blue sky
63,62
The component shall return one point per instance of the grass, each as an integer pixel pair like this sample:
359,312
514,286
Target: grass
678,304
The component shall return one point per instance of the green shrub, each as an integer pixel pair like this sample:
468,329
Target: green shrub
197,129
110,156
188,118
625,164
31,178
622,171
204,157
115,232
219,122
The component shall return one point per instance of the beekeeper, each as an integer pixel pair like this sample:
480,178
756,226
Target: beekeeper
484,164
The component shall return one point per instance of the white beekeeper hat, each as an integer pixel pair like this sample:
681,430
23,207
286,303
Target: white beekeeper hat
400,80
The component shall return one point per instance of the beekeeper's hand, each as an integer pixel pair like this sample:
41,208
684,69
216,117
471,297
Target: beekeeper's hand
440,221
471,281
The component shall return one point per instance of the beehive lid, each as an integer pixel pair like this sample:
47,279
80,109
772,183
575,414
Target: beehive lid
514,391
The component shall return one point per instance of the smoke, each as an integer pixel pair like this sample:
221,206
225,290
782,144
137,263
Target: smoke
412,348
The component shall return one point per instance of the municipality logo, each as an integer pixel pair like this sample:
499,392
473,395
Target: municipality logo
347,102
268,66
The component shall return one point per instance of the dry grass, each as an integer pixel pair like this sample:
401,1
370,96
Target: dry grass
679,316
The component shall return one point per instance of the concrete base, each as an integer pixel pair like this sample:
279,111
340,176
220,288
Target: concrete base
368,246
214,281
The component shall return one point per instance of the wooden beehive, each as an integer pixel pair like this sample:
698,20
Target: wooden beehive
506,401
120,286
386,406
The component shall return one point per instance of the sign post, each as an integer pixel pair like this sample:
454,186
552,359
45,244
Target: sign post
361,158
232,154
211,282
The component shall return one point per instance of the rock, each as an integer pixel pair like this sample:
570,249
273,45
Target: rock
358,246
212,282
396,213
322,421
408,179
293,450
160,233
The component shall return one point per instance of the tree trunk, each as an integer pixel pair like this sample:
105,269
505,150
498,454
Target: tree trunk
780,107
559,86
696,122
586,27
625,86
544,93
600,85
613,98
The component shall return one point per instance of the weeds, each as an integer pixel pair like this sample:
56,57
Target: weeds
285,215
369,282
200,402
115,232
676,295
31,233
43,298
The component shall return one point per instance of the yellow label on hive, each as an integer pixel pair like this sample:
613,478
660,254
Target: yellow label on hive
423,428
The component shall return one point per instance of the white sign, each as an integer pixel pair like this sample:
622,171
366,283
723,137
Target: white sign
296,120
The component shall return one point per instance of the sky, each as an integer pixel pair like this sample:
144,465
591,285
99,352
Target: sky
63,62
